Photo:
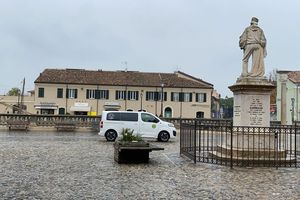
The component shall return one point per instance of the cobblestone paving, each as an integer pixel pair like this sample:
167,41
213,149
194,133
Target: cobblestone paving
80,166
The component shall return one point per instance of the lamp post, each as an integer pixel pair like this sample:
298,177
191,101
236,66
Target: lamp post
297,102
293,109
142,100
162,99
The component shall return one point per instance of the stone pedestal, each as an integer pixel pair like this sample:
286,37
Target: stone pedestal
251,109
251,102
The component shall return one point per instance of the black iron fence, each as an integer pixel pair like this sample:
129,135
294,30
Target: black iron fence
52,120
224,144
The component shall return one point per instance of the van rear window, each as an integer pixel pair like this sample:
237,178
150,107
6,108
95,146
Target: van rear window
117,116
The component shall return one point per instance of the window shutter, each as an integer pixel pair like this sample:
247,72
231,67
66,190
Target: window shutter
107,94
147,96
137,95
117,95
67,93
172,96
87,93
97,94
191,97
181,97
204,97
165,96
125,95
197,97
156,96
76,93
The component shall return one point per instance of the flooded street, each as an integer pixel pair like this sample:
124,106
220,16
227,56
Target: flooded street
52,165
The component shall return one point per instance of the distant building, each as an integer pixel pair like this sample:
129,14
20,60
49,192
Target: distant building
87,92
215,104
288,82
11,104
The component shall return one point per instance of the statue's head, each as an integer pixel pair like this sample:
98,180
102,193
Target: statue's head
254,21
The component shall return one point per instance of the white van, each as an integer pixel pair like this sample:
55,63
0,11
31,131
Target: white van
143,123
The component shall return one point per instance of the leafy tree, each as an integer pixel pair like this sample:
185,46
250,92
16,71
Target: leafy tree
273,80
14,92
227,105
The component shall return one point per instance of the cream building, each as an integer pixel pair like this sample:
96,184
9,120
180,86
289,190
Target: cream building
10,104
87,92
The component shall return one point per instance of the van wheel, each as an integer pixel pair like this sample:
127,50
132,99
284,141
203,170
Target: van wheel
163,136
111,135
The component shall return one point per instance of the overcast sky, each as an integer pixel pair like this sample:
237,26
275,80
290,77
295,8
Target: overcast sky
198,37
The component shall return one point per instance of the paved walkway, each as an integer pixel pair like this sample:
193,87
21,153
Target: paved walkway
49,165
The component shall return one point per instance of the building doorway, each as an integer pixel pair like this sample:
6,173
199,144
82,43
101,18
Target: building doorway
168,112
61,111
200,114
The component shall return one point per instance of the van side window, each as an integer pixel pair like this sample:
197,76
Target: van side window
132,117
113,116
149,118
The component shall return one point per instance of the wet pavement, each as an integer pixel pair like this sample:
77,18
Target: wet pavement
51,165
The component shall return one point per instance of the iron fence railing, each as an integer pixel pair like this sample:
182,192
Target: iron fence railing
52,120
224,144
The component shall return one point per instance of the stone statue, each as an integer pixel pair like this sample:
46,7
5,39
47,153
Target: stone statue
253,42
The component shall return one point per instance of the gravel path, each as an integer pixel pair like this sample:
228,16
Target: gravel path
51,165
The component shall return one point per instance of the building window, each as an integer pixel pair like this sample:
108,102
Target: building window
151,96
200,114
103,94
175,96
90,94
60,93
155,96
41,92
71,93
201,97
181,96
97,94
120,94
187,97
133,95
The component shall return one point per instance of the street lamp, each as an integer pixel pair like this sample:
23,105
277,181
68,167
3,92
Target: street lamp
297,102
162,99
293,109
142,100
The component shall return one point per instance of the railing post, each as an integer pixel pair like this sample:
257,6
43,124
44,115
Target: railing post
195,142
296,144
181,137
231,145
276,148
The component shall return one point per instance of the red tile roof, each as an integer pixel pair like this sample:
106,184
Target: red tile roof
294,76
120,78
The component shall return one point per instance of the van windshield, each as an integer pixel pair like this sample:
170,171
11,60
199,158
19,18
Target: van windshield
149,118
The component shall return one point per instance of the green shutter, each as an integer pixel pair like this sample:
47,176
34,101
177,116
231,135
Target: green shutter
181,97
76,93
97,94
107,94
87,93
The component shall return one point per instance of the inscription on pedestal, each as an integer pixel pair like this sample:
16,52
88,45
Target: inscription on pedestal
251,110
256,112
237,111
